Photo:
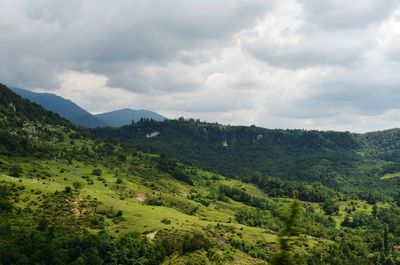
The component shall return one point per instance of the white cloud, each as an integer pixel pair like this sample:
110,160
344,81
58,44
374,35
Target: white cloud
285,38
293,63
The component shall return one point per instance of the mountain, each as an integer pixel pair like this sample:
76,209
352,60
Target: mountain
77,115
126,116
68,197
64,107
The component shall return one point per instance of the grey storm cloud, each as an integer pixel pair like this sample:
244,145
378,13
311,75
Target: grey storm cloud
105,36
311,49
290,63
365,90
371,97
347,14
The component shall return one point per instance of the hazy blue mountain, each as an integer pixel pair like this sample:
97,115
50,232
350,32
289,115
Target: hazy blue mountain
77,115
64,107
125,116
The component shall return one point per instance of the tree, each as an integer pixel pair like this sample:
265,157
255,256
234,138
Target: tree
77,185
396,199
386,243
97,171
346,222
5,204
330,207
375,210
288,235
15,171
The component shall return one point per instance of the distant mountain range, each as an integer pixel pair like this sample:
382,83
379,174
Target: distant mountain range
77,115
126,116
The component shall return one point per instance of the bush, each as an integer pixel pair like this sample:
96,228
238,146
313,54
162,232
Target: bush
170,166
183,242
166,221
15,171
97,171
118,219
5,204
96,222
330,207
257,218
77,185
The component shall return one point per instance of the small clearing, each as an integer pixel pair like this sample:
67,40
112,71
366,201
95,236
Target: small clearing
152,235
152,134
141,197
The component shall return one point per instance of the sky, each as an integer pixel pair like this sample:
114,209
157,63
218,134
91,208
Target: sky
310,64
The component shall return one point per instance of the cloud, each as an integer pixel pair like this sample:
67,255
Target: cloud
340,14
287,38
104,37
291,64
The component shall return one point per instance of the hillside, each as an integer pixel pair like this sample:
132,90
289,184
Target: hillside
66,198
26,128
79,188
340,160
221,147
122,117
384,145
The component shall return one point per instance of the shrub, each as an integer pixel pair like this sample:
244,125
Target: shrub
77,185
166,221
183,242
97,171
15,171
5,204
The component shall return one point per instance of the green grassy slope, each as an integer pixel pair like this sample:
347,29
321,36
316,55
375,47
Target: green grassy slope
66,198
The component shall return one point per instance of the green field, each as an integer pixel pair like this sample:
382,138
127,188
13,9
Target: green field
130,196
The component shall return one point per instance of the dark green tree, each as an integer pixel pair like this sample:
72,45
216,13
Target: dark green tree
375,210
386,242
288,236
330,207
77,185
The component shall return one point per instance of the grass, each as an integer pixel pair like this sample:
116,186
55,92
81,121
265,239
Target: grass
142,180
355,206
390,176
139,217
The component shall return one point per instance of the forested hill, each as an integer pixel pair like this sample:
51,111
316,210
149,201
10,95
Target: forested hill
239,150
66,198
384,145
26,128
355,163
16,108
